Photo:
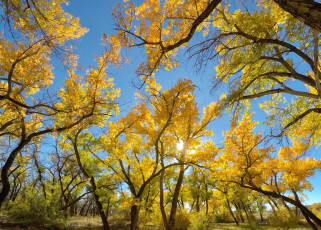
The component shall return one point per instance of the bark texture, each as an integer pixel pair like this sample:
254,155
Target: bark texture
134,215
307,11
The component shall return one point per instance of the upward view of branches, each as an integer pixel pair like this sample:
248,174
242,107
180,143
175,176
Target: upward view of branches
68,151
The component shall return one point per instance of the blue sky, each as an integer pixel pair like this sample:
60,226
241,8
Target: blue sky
95,15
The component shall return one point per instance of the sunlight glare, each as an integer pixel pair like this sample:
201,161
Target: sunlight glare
180,145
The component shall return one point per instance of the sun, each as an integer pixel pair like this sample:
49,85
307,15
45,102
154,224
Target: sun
180,145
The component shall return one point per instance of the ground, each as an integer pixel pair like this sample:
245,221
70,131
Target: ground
94,223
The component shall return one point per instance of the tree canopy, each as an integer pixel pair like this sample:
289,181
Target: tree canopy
74,148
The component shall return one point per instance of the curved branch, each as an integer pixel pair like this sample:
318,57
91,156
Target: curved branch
285,89
209,9
261,94
283,197
291,47
301,116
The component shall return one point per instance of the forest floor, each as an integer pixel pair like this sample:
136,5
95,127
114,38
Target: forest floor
94,223
233,226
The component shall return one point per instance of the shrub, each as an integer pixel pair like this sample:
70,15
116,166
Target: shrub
284,219
182,221
198,221
316,209
150,219
120,217
33,209
222,217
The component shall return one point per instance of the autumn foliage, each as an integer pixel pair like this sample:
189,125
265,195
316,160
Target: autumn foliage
69,149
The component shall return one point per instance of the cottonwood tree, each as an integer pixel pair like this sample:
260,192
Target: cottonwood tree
198,185
83,146
29,108
188,129
277,61
249,164
142,145
102,95
162,27
260,51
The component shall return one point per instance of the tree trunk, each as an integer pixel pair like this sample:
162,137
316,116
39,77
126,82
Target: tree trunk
5,171
134,215
304,211
247,215
17,190
13,189
308,11
40,175
239,211
296,202
147,208
99,205
82,209
198,203
230,210
252,217
88,209
175,198
93,185
206,198
108,207
241,214
161,194
261,215
273,209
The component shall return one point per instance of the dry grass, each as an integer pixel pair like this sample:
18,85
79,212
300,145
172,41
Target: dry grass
84,222
242,226
94,223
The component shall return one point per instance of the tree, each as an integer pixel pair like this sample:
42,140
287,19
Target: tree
142,145
250,165
198,186
29,109
64,179
269,52
257,50
163,27
269,63
89,173
307,11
